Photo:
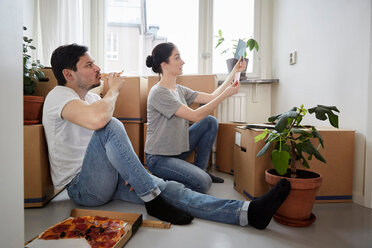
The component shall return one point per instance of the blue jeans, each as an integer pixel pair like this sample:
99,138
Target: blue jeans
110,160
193,176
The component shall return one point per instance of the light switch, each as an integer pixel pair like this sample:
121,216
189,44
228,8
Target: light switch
293,58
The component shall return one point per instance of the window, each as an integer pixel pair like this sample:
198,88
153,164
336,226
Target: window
112,44
178,22
134,27
235,19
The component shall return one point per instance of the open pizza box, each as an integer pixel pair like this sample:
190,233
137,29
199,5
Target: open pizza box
133,222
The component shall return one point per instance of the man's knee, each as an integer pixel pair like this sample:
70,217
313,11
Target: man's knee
113,125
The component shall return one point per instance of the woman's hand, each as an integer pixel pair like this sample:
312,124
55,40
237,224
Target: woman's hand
240,65
232,89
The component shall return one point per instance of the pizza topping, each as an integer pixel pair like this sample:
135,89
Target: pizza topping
100,218
81,227
78,220
60,228
100,232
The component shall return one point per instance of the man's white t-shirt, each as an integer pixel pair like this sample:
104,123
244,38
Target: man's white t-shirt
67,142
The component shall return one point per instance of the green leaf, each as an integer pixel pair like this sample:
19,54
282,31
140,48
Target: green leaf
256,46
219,42
224,51
273,118
220,32
280,160
251,44
321,113
308,147
283,120
264,149
302,132
304,161
261,136
32,47
317,135
39,74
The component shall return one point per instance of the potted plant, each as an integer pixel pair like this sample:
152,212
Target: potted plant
250,44
32,105
293,145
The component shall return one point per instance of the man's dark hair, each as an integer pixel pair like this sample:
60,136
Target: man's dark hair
66,57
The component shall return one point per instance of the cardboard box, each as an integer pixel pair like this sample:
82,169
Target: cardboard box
249,171
38,186
43,87
131,102
134,222
135,133
202,83
337,172
225,146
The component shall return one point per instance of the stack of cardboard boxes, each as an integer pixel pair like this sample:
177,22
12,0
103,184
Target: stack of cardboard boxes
38,187
130,109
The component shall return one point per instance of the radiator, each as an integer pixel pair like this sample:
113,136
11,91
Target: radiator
233,109
252,105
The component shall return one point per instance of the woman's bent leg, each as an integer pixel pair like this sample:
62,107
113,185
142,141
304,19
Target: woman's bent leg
171,168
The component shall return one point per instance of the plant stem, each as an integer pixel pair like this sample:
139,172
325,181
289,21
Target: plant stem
293,160
293,147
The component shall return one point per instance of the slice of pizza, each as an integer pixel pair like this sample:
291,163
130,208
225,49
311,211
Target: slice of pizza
115,74
99,232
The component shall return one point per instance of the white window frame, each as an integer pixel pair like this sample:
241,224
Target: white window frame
112,54
262,59
206,39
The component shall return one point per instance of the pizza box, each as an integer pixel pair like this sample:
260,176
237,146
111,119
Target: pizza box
133,221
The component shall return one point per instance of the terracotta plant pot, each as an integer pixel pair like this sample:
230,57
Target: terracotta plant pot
296,209
32,109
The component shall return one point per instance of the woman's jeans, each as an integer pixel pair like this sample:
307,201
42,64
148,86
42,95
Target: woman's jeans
193,176
110,161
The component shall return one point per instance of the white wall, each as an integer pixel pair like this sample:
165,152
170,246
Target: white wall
332,40
11,129
368,171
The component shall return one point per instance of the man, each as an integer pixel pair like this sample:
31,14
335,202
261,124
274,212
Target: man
91,154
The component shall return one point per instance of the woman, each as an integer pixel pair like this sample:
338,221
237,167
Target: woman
169,139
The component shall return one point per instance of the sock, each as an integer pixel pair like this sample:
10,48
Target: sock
216,179
261,210
162,210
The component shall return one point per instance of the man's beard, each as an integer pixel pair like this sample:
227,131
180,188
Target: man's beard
95,86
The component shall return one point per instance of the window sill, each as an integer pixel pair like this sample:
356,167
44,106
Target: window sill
254,81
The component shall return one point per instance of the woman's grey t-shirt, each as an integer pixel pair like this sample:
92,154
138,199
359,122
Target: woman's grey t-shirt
167,134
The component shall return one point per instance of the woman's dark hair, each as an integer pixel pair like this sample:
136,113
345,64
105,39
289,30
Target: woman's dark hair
160,54
66,57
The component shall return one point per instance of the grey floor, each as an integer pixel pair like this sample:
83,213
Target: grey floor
337,225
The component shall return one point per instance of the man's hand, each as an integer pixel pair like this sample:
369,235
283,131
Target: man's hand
115,82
